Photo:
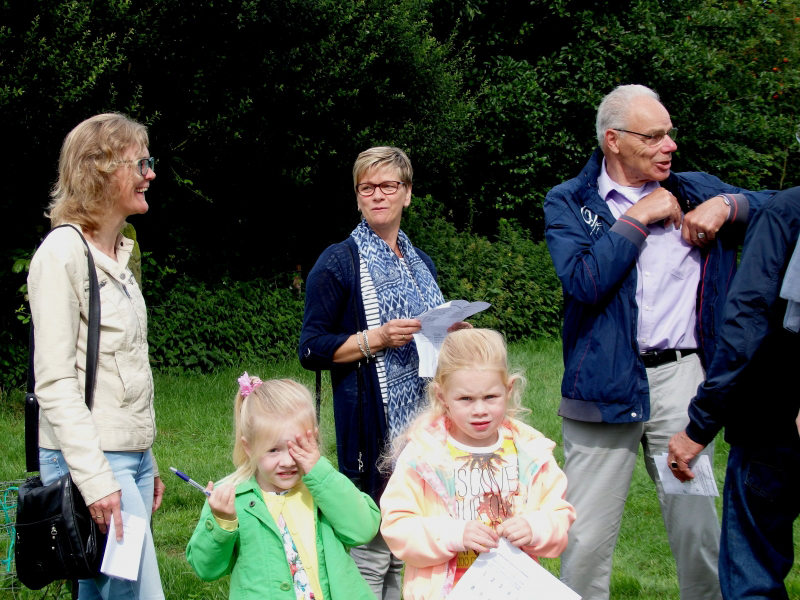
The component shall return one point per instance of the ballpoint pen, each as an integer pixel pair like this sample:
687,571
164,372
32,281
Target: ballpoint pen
190,481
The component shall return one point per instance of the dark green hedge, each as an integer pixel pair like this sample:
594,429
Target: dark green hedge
512,272
199,326
195,326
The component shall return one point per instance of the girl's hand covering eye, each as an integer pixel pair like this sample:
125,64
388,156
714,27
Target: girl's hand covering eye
305,451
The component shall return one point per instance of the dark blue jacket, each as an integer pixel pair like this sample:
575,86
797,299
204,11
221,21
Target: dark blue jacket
595,258
335,311
751,388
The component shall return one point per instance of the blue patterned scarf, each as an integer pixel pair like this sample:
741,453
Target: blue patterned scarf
400,296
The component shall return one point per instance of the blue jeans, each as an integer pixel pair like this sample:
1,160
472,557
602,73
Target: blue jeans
134,472
760,503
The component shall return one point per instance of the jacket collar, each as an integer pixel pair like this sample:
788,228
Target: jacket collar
590,194
116,269
255,506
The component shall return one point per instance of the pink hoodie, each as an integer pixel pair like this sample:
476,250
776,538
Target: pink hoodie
419,522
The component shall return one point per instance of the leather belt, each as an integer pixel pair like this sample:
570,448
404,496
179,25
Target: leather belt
656,358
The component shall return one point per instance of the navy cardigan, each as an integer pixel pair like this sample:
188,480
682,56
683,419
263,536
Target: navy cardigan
334,311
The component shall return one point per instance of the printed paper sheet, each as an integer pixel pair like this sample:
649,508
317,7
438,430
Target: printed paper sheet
507,573
434,329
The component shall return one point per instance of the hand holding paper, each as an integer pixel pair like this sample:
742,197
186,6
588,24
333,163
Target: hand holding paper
121,559
516,530
703,483
508,573
435,323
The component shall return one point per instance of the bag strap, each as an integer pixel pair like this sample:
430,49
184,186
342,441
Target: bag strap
92,351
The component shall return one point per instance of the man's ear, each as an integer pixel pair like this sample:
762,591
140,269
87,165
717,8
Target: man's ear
612,141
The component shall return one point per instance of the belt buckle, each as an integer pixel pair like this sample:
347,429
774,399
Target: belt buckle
652,358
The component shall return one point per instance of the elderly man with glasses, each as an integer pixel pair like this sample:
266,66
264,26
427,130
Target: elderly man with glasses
645,257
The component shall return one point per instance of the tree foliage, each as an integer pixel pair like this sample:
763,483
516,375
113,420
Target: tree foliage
257,109
726,70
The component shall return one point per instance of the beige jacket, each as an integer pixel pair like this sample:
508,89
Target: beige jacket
122,418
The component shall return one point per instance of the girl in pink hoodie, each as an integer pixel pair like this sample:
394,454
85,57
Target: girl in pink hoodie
467,472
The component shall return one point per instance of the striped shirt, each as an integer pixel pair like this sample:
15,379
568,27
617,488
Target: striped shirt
370,300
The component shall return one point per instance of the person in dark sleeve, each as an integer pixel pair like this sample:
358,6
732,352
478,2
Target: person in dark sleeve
751,391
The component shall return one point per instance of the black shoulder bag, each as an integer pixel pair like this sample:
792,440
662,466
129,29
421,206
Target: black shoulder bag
56,536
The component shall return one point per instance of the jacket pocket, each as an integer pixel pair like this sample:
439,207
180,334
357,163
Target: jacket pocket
127,376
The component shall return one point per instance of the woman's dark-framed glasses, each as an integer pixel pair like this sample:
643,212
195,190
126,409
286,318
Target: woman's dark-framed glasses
654,139
144,164
387,187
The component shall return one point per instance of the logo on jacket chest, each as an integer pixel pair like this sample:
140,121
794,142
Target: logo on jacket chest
592,220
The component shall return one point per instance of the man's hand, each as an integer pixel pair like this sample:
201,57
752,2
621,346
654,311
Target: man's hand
658,205
707,219
682,450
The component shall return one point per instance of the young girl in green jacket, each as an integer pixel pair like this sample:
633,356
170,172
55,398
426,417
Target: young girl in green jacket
282,522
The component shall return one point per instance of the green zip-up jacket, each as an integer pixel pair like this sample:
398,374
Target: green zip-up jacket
254,556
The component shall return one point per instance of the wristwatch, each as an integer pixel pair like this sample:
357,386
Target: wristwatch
727,202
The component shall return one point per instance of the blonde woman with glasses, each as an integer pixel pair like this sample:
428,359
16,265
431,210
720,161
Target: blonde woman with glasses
104,174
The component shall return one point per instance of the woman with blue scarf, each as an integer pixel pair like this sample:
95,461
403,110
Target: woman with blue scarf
362,297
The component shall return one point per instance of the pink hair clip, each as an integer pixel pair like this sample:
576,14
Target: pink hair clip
247,384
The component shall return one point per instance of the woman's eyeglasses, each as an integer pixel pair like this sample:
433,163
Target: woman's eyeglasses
387,187
145,164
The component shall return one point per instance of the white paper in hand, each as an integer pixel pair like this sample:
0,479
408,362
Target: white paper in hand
434,329
507,573
121,559
703,483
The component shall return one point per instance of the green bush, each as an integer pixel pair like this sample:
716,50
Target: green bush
198,327
513,273
726,71
13,360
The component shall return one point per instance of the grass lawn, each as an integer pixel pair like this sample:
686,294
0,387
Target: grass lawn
195,435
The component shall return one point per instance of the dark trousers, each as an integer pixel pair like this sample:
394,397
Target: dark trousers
761,502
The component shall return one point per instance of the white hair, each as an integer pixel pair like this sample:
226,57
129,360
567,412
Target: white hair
615,107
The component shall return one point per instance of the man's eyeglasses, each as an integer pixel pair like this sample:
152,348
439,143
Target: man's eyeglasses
145,164
656,138
387,187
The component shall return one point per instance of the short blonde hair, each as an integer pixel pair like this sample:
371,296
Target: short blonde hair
470,349
383,156
90,155
260,418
